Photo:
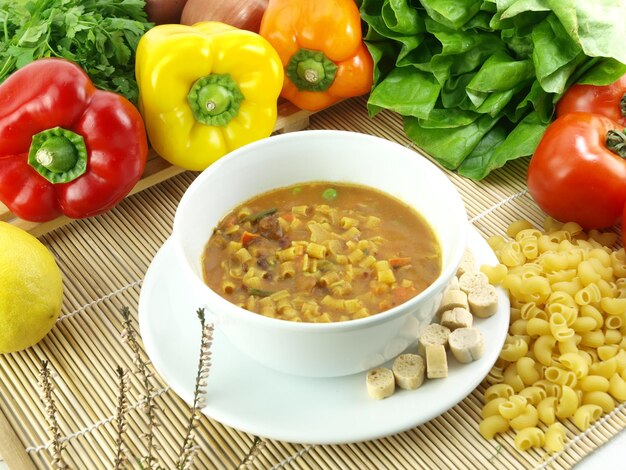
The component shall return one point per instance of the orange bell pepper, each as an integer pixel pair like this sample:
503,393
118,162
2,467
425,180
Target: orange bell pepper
321,47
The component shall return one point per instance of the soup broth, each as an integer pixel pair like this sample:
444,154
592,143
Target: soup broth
321,252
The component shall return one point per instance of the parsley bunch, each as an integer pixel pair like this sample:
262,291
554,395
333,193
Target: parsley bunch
99,35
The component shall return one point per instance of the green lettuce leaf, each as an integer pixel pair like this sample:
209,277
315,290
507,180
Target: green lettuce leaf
555,54
605,72
449,146
477,80
401,18
599,25
500,72
407,91
501,146
441,118
452,13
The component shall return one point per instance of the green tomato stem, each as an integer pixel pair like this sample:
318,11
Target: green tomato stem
215,99
311,70
622,105
616,142
59,155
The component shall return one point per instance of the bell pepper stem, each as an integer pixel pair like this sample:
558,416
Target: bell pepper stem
59,155
616,142
311,70
215,99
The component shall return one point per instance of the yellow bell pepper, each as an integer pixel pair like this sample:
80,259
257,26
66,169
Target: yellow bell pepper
205,90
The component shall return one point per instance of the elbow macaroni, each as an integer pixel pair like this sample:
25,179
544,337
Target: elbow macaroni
529,437
565,356
493,425
555,438
585,415
567,403
513,349
528,418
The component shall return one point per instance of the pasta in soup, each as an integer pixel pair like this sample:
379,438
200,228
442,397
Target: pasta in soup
321,252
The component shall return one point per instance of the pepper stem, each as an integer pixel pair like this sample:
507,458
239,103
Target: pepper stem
215,99
622,105
616,142
311,70
59,155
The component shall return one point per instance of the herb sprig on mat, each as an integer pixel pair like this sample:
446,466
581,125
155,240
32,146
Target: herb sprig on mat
120,419
187,450
99,35
149,461
257,446
47,388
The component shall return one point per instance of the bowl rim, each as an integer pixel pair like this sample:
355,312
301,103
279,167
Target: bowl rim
399,311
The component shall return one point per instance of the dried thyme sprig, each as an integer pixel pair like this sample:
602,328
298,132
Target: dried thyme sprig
120,418
257,446
51,411
149,461
188,449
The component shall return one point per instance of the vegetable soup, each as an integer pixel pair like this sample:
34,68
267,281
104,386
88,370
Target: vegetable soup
321,252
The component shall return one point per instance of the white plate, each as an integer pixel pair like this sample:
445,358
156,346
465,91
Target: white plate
252,398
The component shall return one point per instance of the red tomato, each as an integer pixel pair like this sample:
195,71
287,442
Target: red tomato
573,176
609,100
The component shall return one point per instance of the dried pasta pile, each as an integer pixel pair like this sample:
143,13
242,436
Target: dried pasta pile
565,354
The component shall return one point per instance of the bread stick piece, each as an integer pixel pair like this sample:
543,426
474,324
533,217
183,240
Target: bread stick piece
380,383
457,318
467,344
433,334
468,263
483,302
452,299
408,369
472,280
436,361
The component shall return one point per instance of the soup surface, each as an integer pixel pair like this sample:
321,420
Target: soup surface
321,252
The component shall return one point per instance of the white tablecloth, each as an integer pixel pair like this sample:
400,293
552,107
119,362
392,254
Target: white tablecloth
610,455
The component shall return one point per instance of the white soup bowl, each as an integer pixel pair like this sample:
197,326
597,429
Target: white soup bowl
320,349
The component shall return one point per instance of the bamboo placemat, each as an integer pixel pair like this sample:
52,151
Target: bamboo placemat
104,260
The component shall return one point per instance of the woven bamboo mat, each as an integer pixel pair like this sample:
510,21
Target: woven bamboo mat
104,260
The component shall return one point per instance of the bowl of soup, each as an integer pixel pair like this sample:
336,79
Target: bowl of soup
320,253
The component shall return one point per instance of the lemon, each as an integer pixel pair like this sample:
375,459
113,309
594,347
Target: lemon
31,289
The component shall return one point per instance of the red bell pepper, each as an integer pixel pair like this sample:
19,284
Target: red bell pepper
65,146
